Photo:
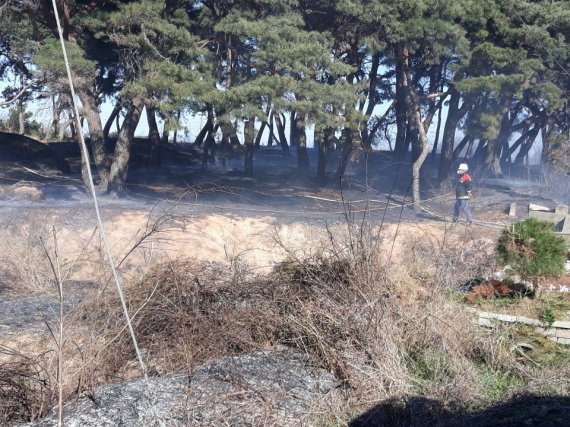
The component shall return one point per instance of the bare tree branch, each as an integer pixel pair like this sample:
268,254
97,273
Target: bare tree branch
15,98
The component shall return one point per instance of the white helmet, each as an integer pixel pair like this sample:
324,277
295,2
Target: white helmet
462,168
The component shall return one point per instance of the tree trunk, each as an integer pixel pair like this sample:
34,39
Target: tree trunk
175,133
321,135
480,151
416,167
154,155
259,135
492,160
55,111
249,139
293,136
209,146
281,131
114,114
229,64
271,130
347,150
119,168
234,140
525,148
448,139
301,135
209,149
418,128
199,141
21,119
61,127
414,135
506,132
372,94
21,110
101,158
165,131
515,145
84,157
460,147
454,115
442,73
437,131
400,147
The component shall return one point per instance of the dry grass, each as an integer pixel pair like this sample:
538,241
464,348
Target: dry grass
352,313
23,265
387,330
26,392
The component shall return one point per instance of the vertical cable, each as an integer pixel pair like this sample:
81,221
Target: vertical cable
94,198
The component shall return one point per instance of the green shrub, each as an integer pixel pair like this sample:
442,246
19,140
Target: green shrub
546,315
532,249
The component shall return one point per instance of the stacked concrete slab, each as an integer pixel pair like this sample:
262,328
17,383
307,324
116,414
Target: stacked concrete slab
558,331
559,217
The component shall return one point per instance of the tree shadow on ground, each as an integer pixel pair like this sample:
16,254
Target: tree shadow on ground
524,410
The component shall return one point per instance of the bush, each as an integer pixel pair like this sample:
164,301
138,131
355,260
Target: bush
532,249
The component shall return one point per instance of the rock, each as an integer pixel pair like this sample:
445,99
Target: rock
267,388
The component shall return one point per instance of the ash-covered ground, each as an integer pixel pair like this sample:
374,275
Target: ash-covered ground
219,213
48,178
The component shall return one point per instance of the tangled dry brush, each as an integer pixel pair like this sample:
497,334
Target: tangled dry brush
386,330
383,330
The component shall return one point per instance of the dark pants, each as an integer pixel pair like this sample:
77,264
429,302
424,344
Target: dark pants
462,205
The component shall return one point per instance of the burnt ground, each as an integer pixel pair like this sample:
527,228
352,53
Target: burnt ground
42,179
277,186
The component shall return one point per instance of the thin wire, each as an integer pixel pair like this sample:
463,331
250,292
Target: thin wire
94,198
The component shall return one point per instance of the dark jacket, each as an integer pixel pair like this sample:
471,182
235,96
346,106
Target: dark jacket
463,188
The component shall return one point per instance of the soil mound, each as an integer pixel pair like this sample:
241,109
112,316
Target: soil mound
23,156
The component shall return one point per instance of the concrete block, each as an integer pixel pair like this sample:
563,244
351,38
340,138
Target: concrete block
538,208
561,209
488,323
561,324
563,333
528,321
498,316
563,341
506,318
513,209
547,332
486,315
548,217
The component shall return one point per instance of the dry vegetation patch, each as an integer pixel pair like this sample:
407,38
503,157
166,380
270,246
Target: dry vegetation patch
349,310
372,306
